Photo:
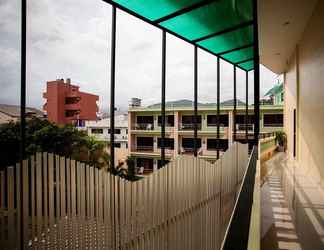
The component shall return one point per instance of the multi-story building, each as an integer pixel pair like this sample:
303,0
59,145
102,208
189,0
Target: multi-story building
144,136
101,130
66,104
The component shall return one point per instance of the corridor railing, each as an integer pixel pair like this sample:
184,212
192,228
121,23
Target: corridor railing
68,204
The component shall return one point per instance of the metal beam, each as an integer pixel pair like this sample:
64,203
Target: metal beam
256,74
112,88
235,101
218,106
163,98
195,101
184,10
222,32
167,30
22,113
246,106
236,49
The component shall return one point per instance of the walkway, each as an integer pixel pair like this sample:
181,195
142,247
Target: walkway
292,207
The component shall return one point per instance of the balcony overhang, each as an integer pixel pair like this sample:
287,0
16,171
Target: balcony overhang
281,24
223,28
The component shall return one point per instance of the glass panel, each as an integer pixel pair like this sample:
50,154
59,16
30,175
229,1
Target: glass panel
155,9
211,18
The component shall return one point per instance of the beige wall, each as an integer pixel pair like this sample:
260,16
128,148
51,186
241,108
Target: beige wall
306,77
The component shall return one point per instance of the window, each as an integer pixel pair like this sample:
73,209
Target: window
189,142
212,144
212,120
273,120
144,141
144,119
282,96
96,131
168,143
189,119
169,120
117,131
117,145
240,119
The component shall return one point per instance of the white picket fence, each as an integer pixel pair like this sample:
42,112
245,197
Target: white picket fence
68,204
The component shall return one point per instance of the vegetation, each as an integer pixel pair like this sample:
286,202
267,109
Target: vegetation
281,138
44,136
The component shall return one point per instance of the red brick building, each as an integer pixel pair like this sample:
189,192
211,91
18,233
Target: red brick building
67,105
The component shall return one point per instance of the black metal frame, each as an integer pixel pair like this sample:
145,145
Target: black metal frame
195,100
218,105
237,235
23,69
246,106
194,42
163,98
234,104
256,74
112,87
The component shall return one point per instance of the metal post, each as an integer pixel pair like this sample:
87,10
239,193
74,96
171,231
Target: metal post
112,88
235,101
163,98
218,105
22,112
195,101
256,74
246,106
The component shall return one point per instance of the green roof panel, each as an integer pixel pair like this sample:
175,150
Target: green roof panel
239,55
212,25
211,18
155,9
228,41
247,65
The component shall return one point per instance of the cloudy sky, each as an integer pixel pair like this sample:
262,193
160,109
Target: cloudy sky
71,39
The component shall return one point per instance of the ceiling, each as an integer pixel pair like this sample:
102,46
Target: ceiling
281,25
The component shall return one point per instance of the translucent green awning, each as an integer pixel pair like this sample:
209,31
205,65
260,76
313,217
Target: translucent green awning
221,27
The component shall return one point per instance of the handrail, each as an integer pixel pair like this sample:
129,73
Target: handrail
237,233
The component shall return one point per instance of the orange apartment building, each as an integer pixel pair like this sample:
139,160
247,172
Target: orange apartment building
66,104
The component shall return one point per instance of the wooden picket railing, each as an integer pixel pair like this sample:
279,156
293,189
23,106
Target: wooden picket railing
68,204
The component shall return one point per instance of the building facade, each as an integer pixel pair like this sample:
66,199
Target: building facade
101,130
144,134
66,104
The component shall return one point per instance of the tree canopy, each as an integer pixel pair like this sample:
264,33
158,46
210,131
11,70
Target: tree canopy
45,136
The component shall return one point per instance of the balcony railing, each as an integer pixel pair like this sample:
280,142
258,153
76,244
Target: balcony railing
189,126
250,127
72,106
221,125
145,148
144,126
273,125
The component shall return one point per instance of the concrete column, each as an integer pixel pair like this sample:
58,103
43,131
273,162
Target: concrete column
176,134
155,122
155,165
155,144
230,128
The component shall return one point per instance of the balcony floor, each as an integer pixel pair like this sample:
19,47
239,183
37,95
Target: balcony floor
292,207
